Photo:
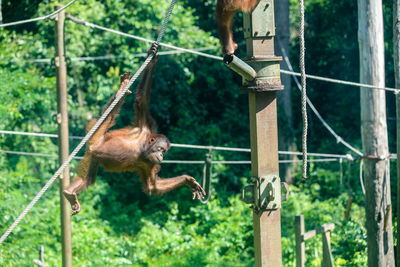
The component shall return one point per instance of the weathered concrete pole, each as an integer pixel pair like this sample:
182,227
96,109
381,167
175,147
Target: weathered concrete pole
374,135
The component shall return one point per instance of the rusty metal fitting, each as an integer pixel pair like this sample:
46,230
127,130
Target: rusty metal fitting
268,74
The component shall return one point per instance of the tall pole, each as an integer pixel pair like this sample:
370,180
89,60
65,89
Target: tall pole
374,135
259,30
396,48
63,152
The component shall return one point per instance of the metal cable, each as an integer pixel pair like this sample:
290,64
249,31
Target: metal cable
232,149
193,51
109,57
227,162
91,131
37,134
171,52
33,154
92,25
304,89
212,147
183,50
38,18
331,80
339,139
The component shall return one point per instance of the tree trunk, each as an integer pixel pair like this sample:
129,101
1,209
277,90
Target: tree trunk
285,116
396,49
374,134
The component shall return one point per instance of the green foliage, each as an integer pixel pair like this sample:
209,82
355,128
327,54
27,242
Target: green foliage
194,100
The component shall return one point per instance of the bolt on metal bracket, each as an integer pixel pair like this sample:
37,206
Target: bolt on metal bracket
265,193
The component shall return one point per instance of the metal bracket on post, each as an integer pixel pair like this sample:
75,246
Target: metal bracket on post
265,193
268,74
259,30
261,21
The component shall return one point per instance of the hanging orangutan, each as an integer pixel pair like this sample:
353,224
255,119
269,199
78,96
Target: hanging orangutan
226,10
136,148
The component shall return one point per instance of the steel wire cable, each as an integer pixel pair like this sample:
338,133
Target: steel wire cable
231,149
339,139
38,18
226,162
92,25
337,81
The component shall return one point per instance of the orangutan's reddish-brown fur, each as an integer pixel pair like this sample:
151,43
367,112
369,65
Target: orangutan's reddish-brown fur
136,148
226,10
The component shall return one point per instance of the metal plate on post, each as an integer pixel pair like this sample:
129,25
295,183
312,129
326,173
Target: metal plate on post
268,75
260,22
269,196
265,193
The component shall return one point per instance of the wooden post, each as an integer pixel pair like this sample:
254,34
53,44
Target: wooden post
327,258
301,237
300,244
259,30
396,49
62,120
374,133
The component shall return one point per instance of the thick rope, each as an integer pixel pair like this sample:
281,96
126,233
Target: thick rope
339,139
38,18
304,89
91,132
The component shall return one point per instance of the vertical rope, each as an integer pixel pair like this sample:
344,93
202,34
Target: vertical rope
304,91
91,132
